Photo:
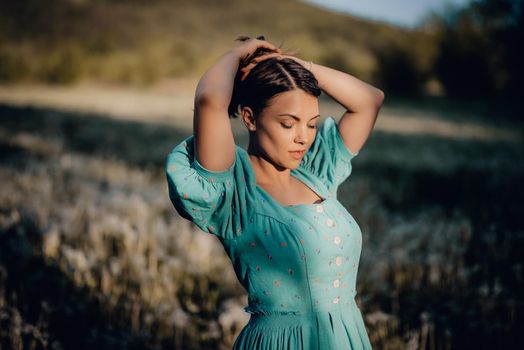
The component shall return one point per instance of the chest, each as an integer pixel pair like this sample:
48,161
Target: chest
297,193
317,232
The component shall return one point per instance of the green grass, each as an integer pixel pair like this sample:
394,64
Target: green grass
135,42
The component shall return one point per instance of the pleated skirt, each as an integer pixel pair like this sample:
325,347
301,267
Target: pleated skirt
337,329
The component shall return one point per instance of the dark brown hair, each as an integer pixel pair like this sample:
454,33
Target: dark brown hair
267,79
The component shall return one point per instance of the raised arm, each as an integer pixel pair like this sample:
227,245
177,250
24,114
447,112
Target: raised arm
361,100
214,141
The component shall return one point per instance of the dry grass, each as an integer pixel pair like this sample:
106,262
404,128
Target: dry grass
170,102
85,217
110,230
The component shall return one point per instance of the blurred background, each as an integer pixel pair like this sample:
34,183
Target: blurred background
95,93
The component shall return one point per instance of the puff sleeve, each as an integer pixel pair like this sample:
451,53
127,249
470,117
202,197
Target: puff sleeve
328,158
219,203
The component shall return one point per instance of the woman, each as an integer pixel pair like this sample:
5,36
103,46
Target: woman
293,246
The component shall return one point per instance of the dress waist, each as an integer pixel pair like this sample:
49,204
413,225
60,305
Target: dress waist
326,304
317,329
299,313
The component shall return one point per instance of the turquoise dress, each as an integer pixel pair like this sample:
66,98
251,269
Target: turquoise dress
298,263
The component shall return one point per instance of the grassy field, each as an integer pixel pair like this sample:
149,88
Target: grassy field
92,254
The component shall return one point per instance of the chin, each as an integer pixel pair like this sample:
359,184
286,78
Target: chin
294,165
290,164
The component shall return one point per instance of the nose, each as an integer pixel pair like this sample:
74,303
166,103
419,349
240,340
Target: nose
302,135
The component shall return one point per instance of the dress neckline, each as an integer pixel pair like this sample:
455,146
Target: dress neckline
324,199
293,173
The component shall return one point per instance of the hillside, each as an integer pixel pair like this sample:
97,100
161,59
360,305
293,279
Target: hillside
139,42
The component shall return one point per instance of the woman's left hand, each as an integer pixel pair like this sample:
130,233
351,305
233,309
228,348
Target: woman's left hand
245,70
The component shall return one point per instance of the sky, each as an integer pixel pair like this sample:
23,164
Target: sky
405,13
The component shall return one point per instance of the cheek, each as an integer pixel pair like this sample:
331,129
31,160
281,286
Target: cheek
276,143
312,135
276,135
282,139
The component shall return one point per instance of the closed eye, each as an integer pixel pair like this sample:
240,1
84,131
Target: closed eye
290,126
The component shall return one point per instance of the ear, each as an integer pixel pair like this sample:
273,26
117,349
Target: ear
249,118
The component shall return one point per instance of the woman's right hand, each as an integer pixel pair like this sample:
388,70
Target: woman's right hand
250,45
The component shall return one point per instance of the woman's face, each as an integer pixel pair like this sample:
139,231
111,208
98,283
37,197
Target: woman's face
288,124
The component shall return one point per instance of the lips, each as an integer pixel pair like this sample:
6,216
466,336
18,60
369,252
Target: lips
297,154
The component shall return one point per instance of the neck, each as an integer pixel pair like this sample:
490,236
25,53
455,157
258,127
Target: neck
267,172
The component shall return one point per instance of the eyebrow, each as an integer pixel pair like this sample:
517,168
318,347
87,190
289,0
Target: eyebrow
297,118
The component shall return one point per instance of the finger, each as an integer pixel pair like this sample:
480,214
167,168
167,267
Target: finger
259,59
265,56
292,53
244,75
268,45
245,72
249,66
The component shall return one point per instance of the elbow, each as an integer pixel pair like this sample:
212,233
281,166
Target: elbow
374,100
203,100
379,97
207,100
